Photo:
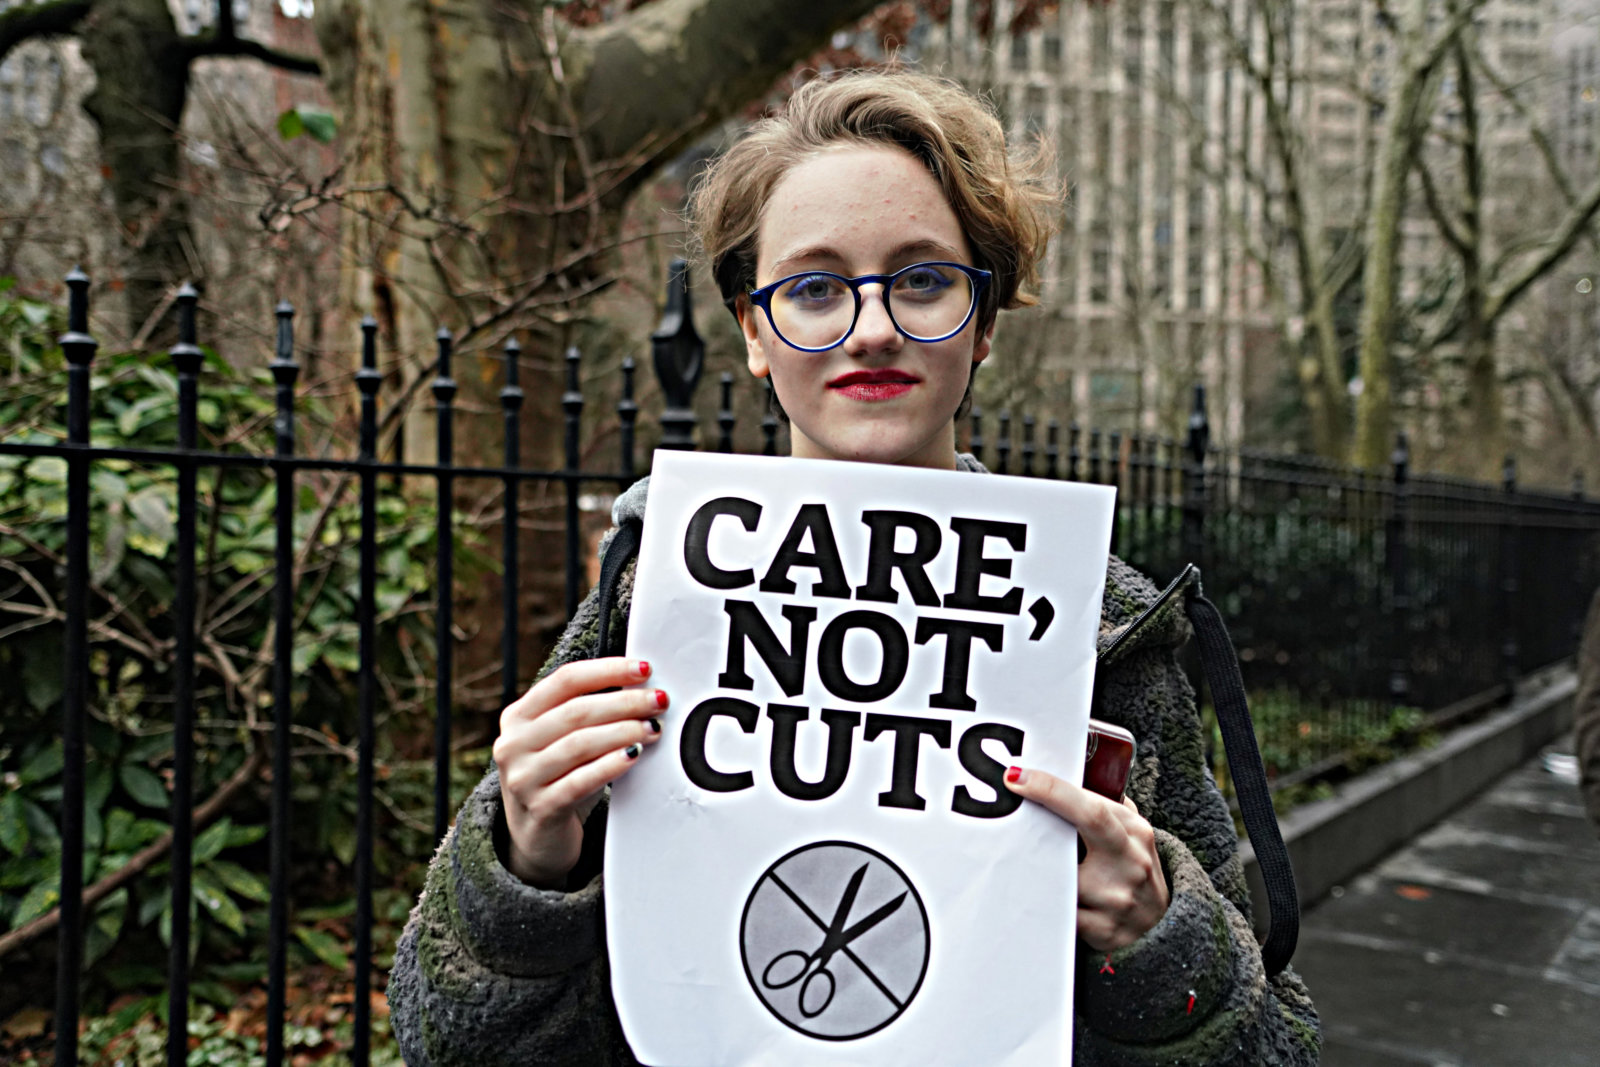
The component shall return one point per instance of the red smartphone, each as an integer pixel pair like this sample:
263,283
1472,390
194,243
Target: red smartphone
1107,760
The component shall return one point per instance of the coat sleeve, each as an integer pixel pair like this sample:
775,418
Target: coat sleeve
1192,991
492,971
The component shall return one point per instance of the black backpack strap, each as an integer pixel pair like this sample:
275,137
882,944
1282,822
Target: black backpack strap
620,552
1221,667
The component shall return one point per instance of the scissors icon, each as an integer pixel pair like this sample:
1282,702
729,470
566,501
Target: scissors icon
790,967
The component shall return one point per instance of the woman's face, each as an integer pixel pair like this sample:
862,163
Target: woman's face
879,397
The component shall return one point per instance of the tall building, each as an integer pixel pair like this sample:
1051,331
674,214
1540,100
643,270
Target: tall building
1175,263
1151,284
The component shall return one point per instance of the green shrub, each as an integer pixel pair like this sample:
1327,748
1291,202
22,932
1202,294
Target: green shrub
133,533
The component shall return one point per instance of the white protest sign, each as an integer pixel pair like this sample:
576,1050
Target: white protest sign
818,862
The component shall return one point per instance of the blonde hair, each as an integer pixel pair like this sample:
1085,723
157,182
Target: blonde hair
1008,203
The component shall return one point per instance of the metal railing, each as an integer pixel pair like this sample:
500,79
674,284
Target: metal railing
1352,591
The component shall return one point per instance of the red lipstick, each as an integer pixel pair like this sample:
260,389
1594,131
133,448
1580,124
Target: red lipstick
885,383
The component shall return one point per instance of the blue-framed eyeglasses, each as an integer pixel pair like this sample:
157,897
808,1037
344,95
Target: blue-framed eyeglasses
817,310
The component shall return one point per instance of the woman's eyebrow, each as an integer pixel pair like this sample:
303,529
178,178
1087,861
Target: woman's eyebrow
807,253
924,246
920,247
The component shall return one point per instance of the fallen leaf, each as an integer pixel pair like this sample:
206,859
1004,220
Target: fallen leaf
1413,892
29,1022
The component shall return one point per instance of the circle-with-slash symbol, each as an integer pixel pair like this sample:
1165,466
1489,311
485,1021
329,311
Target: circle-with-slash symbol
835,940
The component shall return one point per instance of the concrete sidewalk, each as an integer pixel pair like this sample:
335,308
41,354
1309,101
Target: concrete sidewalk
1476,945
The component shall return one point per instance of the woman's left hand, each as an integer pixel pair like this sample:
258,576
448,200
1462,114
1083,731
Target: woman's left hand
1121,890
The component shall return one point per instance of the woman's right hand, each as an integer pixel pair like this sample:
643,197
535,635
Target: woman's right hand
568,737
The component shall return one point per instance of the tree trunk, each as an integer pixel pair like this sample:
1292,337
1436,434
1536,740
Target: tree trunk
1407,114
1322,378
494,148
141,80
1488,430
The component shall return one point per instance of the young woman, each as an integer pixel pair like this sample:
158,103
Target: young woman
866,240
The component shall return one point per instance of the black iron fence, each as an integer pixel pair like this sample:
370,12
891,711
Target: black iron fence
1351,593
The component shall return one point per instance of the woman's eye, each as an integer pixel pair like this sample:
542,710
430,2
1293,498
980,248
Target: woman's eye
922,281
813,288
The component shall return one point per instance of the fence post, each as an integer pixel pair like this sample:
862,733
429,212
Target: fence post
368,382
1002,445
1194,478
725,414
186,358
1394,551
80,349
976,443
444,394
679,357
1028,447
1115,443
1508,577
511,398
1052,449
1094,457
284,372
572,408
769,424
627,415
1579,616
1073,455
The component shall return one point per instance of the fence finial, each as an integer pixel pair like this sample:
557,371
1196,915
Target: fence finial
1401,456
284,353
186,353
1199,426
77,301
679,356
627,413
76,342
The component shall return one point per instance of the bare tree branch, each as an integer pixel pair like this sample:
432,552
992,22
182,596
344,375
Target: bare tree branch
1536,133
215,43
1440,213
1561,241
24,22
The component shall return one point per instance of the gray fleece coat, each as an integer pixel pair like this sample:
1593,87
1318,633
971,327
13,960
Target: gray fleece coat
490,971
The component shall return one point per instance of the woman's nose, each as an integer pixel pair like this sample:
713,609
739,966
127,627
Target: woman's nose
875,330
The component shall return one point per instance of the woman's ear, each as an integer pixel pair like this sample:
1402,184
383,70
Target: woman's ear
749,325
980,349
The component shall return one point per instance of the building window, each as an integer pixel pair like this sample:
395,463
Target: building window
1099,273
1033,110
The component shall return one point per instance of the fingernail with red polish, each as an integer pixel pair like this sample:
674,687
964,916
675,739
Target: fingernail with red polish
1016,775
654,724
661,698
644,668
633,750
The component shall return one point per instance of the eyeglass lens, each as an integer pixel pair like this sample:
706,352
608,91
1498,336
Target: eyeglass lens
928,301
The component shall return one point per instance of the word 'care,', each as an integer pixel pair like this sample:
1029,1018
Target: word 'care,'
810,545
